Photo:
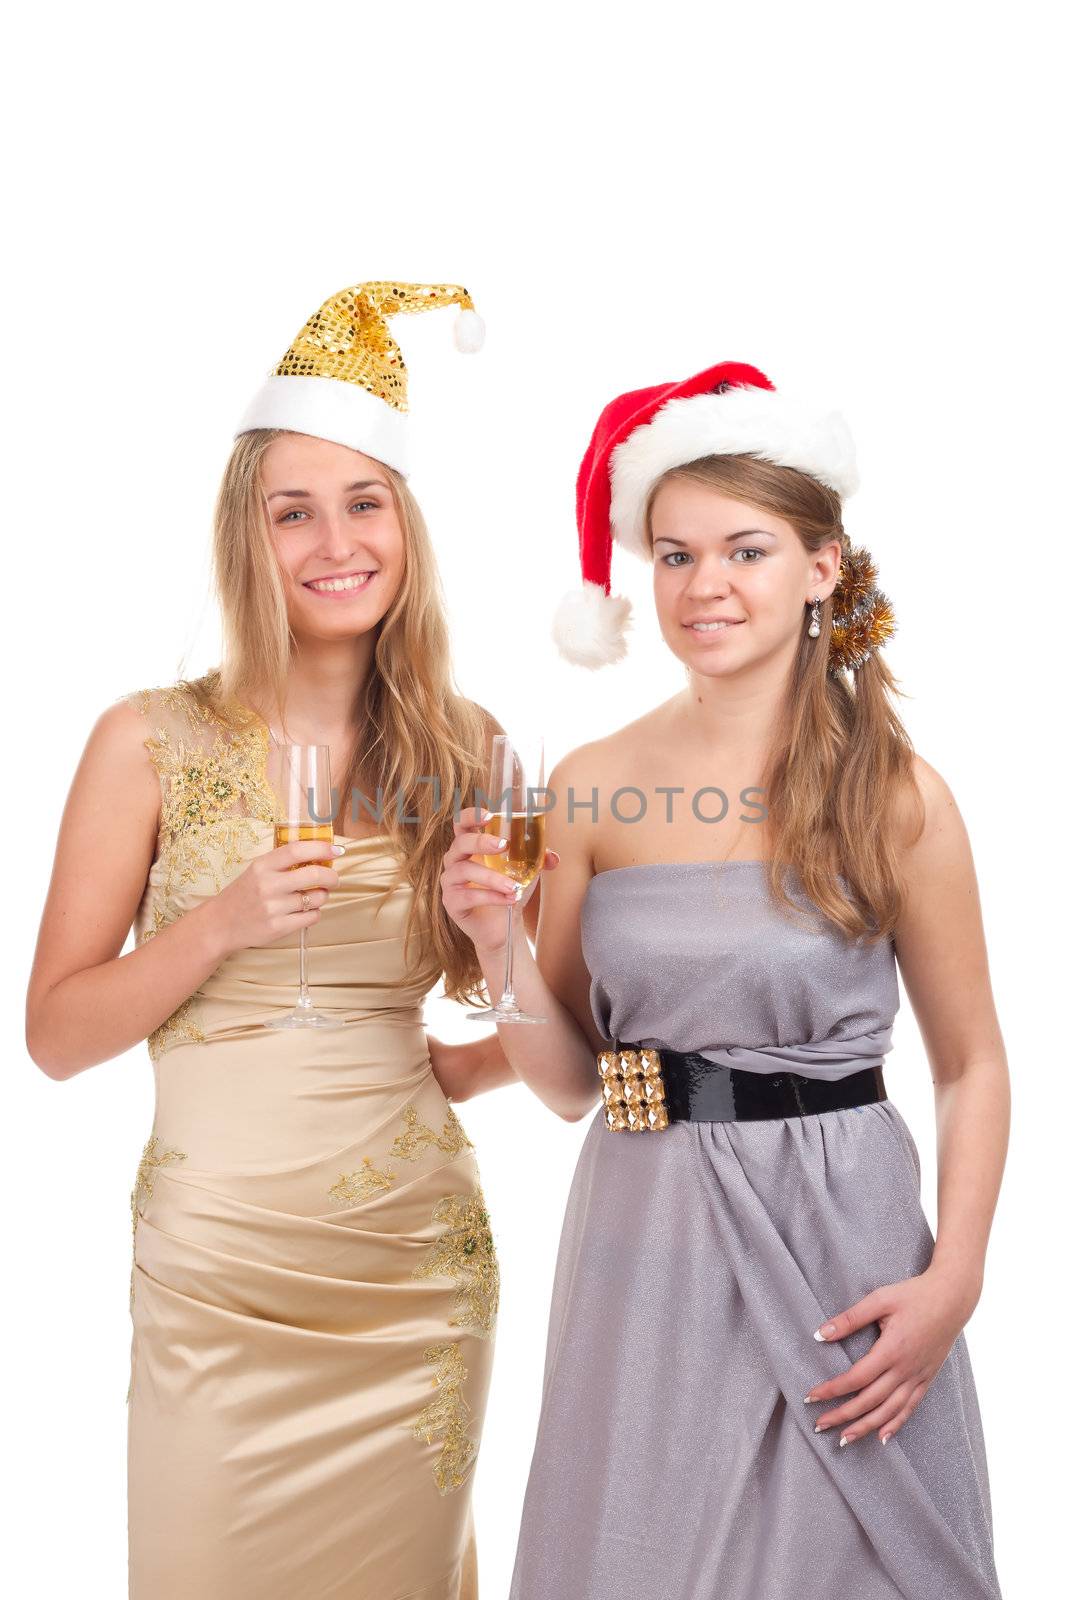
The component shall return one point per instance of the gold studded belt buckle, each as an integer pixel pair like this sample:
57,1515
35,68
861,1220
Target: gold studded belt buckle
635,1099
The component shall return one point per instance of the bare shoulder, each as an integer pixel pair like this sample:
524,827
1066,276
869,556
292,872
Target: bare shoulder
933,838
606,758
579,764
115,773
118,735
651,725
124,721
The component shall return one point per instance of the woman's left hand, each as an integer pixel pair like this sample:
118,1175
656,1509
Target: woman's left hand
447,1062
920,1319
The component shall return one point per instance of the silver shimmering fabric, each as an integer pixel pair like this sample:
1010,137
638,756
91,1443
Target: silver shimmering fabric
675,1458
702,950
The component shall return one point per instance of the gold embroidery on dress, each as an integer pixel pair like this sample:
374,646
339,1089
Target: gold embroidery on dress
361,1185
418,1135
152,1158
179,1027
198,788
446,1418
202,833
466,1252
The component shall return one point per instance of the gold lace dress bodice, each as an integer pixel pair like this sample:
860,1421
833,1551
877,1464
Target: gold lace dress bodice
252,1100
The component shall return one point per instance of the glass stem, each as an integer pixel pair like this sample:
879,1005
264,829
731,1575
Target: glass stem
305,998
508,997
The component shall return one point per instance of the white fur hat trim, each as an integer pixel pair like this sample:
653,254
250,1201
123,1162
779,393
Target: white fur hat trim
331,408
740,421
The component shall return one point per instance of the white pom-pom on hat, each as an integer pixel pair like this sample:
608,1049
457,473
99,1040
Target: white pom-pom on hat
590,626
469,332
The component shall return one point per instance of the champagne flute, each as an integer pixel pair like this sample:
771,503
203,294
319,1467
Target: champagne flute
300,777
517,797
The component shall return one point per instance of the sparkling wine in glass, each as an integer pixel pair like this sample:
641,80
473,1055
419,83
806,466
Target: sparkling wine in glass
517,796
300,777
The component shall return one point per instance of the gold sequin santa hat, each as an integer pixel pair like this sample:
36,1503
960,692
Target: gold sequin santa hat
343,377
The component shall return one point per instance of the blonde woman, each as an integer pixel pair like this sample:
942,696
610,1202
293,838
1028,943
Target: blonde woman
746,1280
314,1289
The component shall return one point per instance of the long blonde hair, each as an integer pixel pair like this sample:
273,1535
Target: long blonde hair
412,722
840,765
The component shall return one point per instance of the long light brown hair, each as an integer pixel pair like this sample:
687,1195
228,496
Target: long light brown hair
411,723
839,774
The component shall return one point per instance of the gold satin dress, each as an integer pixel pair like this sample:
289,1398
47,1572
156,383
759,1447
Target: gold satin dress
314,1286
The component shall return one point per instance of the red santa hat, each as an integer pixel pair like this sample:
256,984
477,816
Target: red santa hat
729,409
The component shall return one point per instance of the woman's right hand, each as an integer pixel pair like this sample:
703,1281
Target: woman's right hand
476,897
264,902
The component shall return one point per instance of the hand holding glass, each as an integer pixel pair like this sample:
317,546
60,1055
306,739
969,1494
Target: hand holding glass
517,794
300,777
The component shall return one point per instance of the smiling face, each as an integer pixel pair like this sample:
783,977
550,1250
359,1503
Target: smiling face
722,561
336,532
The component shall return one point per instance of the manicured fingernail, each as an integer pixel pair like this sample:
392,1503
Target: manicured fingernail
886,1438
338,849
504,842
808,1398
845,1439
819,1428
825,1332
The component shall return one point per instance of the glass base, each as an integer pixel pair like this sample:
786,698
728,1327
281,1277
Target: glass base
304,1017
503,1014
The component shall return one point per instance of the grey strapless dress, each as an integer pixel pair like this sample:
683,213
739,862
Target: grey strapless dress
675,1458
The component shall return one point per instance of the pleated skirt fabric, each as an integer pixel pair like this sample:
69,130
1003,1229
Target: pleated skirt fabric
675,1458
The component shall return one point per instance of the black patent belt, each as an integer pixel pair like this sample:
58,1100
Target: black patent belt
645,1090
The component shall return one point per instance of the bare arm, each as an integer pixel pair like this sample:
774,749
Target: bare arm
86,1003
465,1070
942,955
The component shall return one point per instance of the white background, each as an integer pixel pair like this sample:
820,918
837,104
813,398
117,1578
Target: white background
862,201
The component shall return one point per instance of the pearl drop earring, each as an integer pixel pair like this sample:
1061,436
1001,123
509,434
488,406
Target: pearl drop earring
814,629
